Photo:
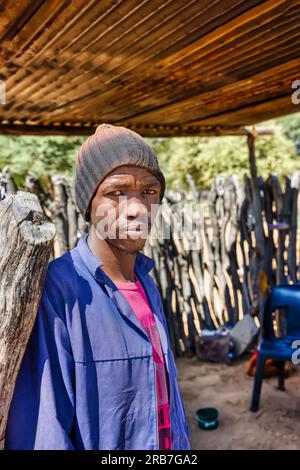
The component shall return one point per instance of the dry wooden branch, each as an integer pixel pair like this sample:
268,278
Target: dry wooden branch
25,245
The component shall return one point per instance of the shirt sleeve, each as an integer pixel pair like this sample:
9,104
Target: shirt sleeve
42,412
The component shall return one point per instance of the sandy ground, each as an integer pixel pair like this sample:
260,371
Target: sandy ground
275,426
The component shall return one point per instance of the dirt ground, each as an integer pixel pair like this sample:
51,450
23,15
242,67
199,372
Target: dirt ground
275,426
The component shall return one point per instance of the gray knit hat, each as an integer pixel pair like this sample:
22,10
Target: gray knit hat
108,148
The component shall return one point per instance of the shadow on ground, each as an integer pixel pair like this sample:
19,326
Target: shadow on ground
275,426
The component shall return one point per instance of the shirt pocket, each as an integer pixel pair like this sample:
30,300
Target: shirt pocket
115,398
100,333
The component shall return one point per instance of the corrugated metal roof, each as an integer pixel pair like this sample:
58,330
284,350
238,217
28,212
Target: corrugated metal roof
173,67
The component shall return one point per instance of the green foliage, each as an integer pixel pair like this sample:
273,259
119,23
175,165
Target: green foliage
291,126
203,158
44,156
206,157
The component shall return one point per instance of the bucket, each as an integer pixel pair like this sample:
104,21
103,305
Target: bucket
207,418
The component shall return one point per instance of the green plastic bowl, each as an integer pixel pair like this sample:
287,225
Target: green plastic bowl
207,418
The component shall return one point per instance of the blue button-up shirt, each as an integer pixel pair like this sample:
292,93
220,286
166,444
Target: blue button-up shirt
87,379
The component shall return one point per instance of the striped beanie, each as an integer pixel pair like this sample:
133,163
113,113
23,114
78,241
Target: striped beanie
107,149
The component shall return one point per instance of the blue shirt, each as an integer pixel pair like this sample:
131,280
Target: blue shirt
87,379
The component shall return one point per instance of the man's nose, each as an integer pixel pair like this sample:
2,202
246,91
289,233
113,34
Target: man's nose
136,209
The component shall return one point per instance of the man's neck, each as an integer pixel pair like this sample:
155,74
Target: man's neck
117,264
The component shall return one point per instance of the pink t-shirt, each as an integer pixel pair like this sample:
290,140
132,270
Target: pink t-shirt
137,298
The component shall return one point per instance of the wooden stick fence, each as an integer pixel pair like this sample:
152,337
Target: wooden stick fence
247,243
237,241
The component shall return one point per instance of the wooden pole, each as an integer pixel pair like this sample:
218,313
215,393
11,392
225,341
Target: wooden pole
257,262
25,245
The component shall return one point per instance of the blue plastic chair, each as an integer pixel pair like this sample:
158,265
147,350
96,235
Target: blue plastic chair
279,349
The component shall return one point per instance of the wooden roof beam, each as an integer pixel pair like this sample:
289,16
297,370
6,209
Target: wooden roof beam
146,131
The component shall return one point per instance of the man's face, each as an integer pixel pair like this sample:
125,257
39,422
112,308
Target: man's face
125,206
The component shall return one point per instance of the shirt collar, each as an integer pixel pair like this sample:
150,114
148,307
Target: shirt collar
143,263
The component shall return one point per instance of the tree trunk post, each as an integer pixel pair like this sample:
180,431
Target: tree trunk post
25,244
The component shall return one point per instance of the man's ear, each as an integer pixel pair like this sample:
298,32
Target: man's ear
89,209
88,214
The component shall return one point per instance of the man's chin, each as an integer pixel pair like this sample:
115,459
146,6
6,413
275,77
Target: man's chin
130,245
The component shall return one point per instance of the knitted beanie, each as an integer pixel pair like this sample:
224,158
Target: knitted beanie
107,149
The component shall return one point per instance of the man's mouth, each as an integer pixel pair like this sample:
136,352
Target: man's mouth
134,228
134,231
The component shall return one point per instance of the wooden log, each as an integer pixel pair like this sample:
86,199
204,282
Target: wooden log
171,318
72,215
180,305
25,245
195,193
197,264
270,243
198,308
33,184
197,256
257,209
278,197
218,221
246,226
210,266
282,225
183,245
257,261
292,249
233,201
8,181
2,189
59,212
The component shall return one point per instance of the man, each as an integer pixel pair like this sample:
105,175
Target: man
98,371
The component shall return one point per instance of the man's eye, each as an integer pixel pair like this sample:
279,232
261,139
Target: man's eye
115,193
150,191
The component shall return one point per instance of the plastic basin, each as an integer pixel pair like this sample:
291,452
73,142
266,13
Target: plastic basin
207,418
